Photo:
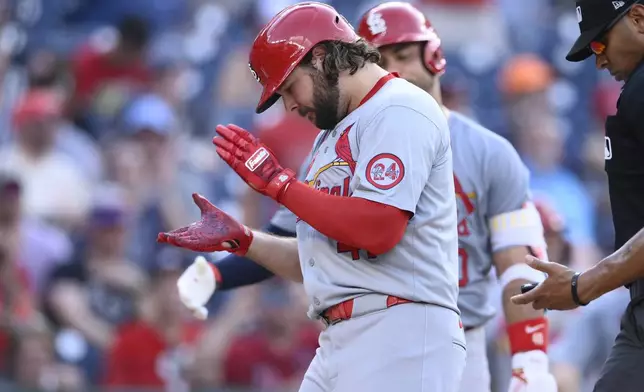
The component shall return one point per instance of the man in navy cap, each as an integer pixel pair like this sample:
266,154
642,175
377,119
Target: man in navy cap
613,31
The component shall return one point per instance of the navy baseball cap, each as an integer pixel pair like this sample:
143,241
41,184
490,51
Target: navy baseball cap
595,17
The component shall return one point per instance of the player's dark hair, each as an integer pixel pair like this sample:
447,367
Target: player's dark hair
343,56
134,32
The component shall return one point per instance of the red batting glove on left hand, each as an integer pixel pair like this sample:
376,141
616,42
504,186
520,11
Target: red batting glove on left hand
215,231
252,160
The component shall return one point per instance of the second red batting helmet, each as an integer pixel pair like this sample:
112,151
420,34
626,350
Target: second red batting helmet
397,23
287,38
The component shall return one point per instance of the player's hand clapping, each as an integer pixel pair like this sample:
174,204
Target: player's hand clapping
252,161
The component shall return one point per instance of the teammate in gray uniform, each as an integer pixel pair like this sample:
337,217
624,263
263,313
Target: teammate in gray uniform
497,223
377,243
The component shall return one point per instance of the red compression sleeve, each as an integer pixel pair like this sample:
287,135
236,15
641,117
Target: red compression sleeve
356,222
528,335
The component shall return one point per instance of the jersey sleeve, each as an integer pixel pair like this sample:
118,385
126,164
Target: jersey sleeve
509,179
397,151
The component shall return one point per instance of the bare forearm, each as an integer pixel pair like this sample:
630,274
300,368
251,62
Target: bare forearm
503,260
620,268
277,254
515,313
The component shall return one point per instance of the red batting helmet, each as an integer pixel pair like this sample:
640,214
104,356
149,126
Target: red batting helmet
287,38
397,23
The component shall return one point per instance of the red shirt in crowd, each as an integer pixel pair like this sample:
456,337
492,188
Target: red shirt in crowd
140,356
93,71
251,361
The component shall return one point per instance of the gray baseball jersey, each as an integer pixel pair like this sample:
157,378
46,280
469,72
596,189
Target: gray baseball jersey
393,149
490,179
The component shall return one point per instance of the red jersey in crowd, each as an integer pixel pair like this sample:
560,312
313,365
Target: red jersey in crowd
140,356
252,361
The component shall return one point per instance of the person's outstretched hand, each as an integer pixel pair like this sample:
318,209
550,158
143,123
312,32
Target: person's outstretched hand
215,231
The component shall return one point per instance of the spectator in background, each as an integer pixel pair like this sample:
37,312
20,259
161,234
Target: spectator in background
36,247
524,81
107,72
275,354
54,188
540,144
47,72
90,297
146,163
35,366
156,349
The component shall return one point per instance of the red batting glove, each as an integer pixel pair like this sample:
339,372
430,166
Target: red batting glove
252,160
215,231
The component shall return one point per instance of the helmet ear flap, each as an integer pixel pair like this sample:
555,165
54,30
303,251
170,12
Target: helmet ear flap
433,57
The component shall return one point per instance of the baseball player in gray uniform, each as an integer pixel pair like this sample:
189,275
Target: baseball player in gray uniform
377,242
497,223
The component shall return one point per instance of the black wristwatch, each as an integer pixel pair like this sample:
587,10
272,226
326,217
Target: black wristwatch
573,290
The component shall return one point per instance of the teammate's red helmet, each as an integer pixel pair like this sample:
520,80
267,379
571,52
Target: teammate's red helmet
397,23
287,38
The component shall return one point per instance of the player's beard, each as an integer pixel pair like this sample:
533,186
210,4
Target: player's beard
326,101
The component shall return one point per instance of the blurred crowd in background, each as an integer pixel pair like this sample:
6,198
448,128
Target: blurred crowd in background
107,109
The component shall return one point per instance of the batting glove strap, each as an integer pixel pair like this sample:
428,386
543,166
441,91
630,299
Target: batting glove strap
277,186
528,335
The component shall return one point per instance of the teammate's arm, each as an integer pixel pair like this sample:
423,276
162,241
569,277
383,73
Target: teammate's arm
516,231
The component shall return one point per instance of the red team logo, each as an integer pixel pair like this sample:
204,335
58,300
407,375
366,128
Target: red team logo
385,171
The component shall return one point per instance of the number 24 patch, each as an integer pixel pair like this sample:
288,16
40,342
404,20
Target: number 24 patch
385,171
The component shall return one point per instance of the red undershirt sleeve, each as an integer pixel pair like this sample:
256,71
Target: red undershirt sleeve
357,222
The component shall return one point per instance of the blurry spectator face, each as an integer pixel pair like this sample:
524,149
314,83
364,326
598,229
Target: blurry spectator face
151,142
36,119
108,231
38,134
542,142
407,60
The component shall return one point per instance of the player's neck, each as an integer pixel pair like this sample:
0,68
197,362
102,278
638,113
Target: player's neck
358,85
435,91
